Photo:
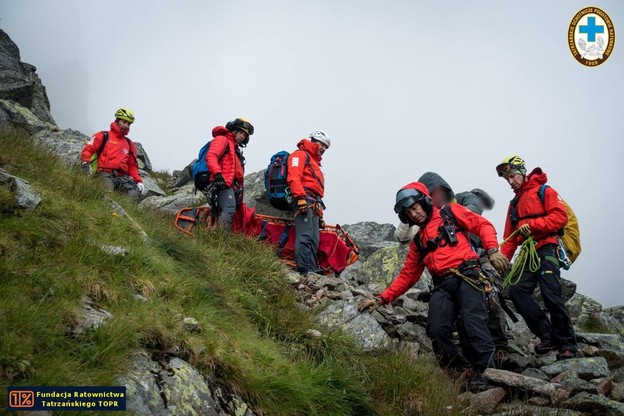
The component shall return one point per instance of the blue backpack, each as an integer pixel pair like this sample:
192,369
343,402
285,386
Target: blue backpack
275,182
199,170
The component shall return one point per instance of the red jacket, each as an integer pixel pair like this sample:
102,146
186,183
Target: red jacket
305,178
442,259
118,154
221,157
544,228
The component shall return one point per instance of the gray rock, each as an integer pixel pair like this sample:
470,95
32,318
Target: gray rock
15,115
370,236
602,341
522,409
143,392
485,402
143,158
508,378
408,332
535,373
362,326
189,324
577,385
617,393
67,144
594,404
90,317
186,197
583,308
587,368
382,266
180,178
331,283
20,83
614,318
150,184
26,197
186,390
615,359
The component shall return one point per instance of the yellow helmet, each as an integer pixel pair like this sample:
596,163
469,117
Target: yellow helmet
125,114
509,164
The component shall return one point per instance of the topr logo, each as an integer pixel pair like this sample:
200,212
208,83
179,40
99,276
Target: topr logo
591,36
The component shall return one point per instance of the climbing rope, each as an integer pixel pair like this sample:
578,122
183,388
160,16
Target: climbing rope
528,253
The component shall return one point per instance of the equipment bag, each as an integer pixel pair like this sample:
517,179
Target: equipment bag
275,180
570,233
199,170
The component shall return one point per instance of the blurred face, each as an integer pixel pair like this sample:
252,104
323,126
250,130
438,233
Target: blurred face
124,125
515,180
439,197
240,136
321,149
416,213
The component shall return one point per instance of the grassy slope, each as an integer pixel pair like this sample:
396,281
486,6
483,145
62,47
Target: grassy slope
254,334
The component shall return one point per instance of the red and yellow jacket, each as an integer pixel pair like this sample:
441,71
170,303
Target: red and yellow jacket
118,154
221,157
441,260
305,178
551,215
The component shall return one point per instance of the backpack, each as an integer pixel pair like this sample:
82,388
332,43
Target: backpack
275,180
569,235
199,170
95,156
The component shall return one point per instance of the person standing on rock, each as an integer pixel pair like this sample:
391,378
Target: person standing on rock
116,155
307,186
226,165
529,216
456,272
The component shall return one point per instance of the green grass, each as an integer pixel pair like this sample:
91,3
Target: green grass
254,335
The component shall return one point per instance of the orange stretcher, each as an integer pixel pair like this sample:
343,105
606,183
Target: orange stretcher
336,248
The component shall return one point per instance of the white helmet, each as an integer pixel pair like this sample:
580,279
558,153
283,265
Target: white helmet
321,137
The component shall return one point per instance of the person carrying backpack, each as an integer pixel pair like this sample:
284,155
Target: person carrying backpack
116,156
307,186
456,272
530,217
226,165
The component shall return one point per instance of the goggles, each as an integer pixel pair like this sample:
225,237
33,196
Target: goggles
505,169
407,198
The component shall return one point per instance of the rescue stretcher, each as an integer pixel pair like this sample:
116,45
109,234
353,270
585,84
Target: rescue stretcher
336,248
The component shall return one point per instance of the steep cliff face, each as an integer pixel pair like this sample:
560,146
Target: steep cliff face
19,82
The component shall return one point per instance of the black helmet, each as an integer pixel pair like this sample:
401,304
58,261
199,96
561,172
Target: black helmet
240,124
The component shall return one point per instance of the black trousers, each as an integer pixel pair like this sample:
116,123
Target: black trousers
452,297
558,329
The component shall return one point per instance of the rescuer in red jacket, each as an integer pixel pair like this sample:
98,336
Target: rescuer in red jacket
528,215
456,272
116,156
307,186
226,165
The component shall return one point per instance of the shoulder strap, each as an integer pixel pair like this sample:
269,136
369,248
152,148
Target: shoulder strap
541,192
136,157
104,141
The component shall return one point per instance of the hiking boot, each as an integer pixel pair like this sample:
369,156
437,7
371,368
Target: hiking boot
545,347
566,354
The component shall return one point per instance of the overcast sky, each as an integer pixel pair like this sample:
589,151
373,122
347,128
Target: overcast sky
401,87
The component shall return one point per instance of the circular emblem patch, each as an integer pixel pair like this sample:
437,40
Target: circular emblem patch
591,36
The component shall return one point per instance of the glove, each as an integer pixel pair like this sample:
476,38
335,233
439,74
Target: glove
141,188
525,230
218,181
371,304
499,261
302,206
86,168
321,224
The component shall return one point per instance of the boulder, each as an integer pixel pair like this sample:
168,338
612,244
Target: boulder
594,404
26,197
583,309
185,197
510,379
370,236
587,368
